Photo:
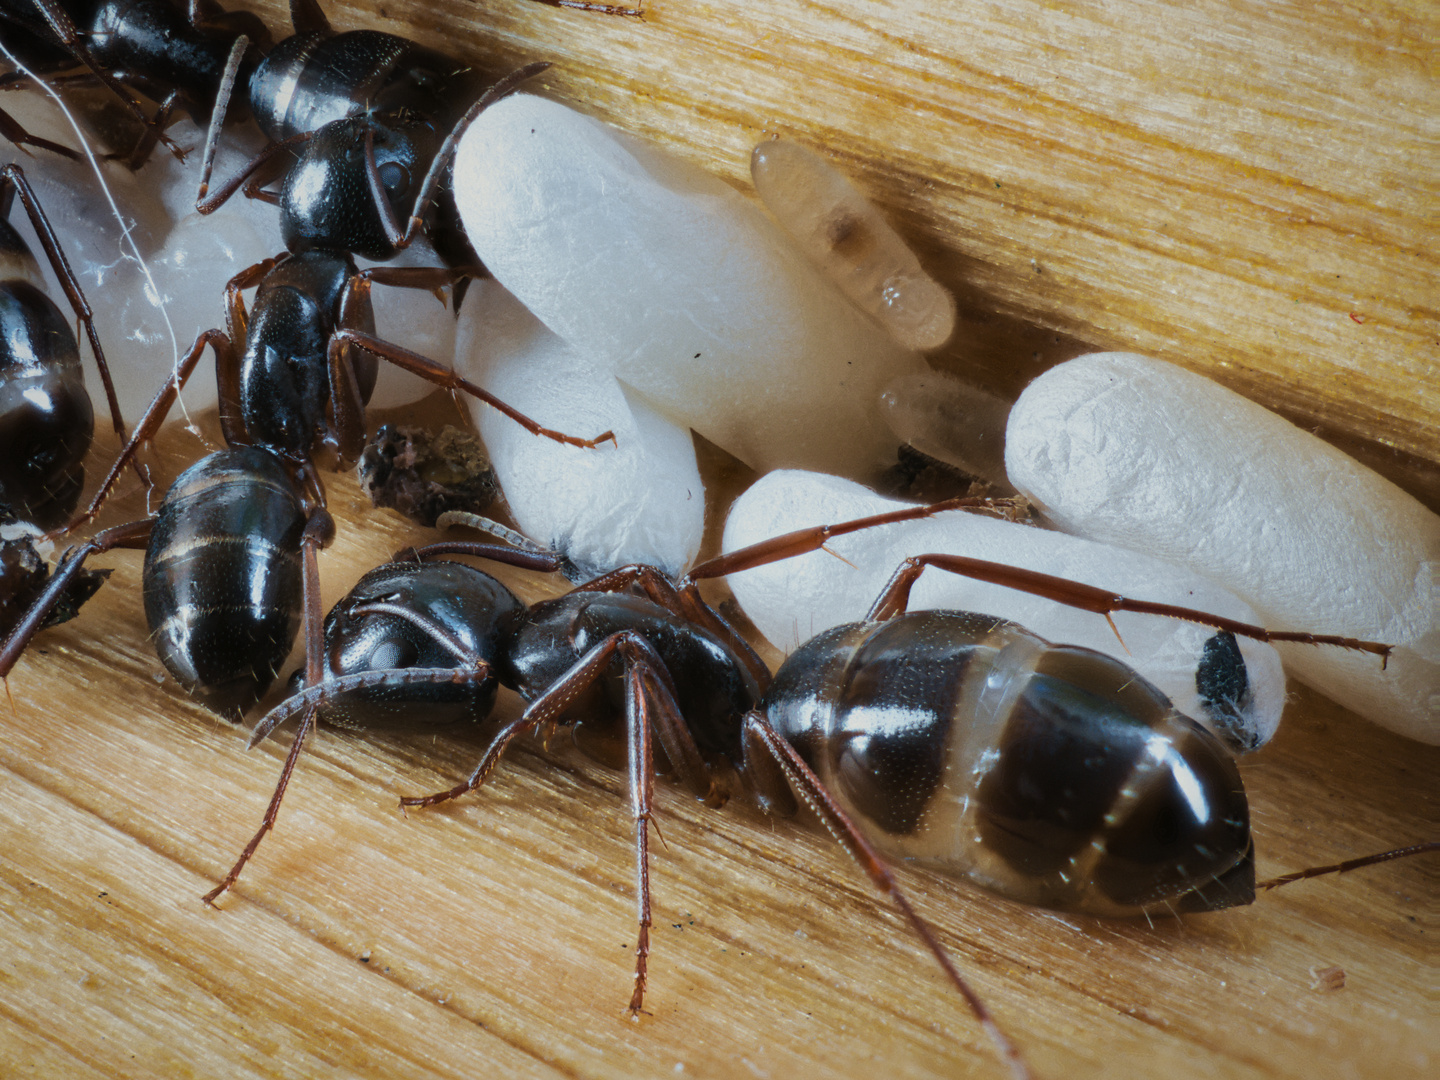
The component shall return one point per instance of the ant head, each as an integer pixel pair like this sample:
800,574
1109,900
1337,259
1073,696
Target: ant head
330,200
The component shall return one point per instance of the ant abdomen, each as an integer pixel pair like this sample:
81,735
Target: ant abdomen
222,577
1050,774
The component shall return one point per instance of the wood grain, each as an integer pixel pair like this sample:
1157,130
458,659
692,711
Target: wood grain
1219,184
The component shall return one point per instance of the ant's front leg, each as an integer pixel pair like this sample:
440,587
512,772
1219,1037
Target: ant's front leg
155,415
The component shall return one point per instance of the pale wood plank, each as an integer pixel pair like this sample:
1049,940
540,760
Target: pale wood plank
1188,180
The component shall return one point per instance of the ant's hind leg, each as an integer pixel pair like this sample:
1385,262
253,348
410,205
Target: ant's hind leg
895,598
761,741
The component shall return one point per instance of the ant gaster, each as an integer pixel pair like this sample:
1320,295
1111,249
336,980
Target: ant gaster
46,420
913,735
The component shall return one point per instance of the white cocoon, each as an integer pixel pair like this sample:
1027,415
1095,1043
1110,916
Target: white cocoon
144,324
684,290
794,599
640,500
1134,451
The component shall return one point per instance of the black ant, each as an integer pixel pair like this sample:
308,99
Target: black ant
365,115
46,419
231,552
877,726
175,56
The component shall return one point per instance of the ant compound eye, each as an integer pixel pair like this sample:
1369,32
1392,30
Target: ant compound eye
395,177
394,653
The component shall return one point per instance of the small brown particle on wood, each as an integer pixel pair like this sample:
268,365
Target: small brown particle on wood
1324,980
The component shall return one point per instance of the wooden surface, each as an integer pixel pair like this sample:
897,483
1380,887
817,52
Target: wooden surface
1189,180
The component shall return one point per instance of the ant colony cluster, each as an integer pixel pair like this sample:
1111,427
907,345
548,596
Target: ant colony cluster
634,299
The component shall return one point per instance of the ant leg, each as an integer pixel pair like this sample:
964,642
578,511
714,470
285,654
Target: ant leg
760,736
896,595
319,531
1350,864
650,703
220,108
544,561
155,416
788,545
428,369
136,534
641,760
10,128
13,180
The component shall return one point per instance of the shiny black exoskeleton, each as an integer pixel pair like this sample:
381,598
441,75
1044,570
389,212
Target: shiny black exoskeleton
284,378
1053,775
365,114
1048,773
173,54
222,579
46,419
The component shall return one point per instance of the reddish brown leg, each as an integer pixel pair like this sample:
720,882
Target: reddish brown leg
800,541
1350,864
443,376
12,180
896,596
675,737
760,737
136,534
319,530
154,417
544,561
642,791
10,129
